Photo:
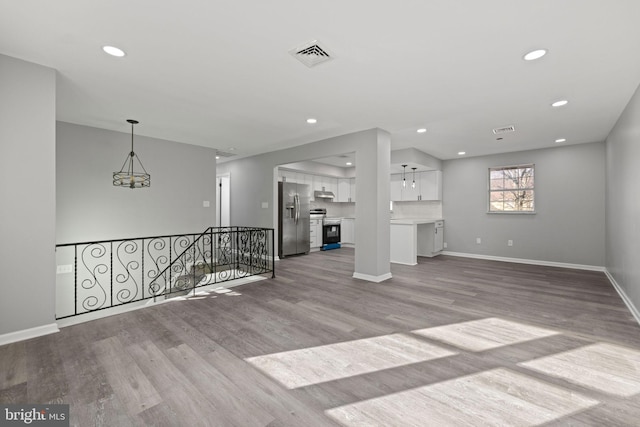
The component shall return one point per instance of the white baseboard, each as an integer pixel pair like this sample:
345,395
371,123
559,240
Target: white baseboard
404,263
27,334
627,301
369,278
528,261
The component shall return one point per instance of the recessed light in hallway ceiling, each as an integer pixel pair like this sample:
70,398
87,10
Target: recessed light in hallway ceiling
535,54
312,121
559,140
421,130
114,51
560,103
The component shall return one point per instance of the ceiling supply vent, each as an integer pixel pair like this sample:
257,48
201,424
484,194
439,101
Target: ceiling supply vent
505,129
223,154
311,54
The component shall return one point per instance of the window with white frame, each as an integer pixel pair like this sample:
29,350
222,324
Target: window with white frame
511,189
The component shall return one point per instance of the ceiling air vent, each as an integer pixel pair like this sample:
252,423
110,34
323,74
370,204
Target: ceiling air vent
505,129
311,54
223,154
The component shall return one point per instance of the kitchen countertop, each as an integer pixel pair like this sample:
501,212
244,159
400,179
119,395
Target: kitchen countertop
414,221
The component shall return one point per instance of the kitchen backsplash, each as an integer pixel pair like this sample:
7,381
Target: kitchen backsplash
336,209
422,209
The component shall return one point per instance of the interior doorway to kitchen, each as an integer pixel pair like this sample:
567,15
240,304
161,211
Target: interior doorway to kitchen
223,200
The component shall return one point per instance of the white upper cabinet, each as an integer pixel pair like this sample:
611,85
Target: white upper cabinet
428,186
344,190
288,176
431,185
412,191
316,184
330,184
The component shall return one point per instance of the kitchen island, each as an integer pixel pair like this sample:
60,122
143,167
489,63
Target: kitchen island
413,237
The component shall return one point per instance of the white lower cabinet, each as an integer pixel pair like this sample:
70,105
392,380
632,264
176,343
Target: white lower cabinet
348,231
412,238
315,233
438,239
430,239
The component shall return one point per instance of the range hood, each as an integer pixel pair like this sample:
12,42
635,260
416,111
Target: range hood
326,195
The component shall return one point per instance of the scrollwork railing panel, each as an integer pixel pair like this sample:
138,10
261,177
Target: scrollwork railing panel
94,277
111,273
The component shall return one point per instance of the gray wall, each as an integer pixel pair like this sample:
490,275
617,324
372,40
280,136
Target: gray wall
569,226
253,181
28,192
623,201
90,208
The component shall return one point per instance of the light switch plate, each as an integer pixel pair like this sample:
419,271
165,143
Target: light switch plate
63,269
265,205
205,204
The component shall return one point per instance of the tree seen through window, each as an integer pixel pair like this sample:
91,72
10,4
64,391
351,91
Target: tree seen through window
511,189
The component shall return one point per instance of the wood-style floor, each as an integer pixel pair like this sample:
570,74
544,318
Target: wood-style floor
452,341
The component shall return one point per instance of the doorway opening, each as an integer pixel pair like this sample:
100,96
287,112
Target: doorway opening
223,200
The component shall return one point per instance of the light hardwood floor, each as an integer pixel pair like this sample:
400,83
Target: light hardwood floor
452,341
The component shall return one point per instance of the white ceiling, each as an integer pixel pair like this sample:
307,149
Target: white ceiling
219,74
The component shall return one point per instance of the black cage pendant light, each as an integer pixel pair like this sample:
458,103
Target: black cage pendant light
127,176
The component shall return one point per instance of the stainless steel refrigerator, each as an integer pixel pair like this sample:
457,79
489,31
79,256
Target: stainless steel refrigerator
293,218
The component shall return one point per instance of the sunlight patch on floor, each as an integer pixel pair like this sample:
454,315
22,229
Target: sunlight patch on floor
604,367
313,365
484,334
498,397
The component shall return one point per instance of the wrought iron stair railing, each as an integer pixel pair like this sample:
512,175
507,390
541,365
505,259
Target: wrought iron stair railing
100,275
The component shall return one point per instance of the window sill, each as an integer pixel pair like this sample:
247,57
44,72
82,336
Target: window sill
511,213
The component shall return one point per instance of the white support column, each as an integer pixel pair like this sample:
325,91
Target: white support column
28,189
372,254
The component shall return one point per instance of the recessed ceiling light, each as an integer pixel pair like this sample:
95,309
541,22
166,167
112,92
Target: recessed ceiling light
559,140
113,51
312,121
349,163
217,157
461,153
535,54
560,103
421,130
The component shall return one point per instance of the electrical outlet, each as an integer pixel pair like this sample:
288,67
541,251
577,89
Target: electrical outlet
265,205
478,240
206,204
509,242
63,269
444,245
